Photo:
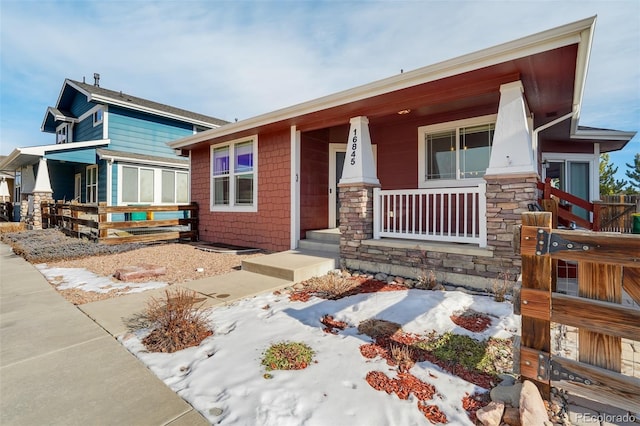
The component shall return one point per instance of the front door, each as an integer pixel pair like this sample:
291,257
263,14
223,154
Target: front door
572,177
337,154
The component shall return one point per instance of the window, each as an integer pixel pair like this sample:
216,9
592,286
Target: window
63,133
455,151
137,185
17,187
98,116
234,176
175,187
92,184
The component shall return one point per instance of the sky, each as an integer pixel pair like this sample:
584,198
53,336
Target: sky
238,59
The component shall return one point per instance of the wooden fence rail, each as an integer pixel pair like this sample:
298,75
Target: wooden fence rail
93,221
607,265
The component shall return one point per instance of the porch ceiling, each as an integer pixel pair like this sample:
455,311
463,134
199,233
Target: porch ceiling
548,79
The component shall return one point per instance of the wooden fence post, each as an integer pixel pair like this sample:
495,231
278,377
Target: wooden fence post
535,301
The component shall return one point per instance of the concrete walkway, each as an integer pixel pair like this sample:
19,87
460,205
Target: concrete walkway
61,367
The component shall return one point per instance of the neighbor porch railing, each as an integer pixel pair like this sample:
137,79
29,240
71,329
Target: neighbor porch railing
455,215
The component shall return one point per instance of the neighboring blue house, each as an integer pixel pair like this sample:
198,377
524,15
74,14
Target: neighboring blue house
109,147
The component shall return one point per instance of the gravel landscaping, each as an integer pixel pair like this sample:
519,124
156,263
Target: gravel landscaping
183,261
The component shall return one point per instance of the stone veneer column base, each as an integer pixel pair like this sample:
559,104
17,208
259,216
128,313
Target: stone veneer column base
508,196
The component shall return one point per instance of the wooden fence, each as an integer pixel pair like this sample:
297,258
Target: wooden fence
615,212
91,221
607,264
6,211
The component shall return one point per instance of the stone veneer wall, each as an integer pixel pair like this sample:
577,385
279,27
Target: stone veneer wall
33,220
458,264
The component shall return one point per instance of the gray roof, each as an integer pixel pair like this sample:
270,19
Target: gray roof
119,97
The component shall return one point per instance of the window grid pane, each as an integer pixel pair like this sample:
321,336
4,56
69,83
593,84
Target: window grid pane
221,161
129,184
146,186
182,187
441,155
168,186
475,150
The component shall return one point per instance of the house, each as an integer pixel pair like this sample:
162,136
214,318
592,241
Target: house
109,147
425,170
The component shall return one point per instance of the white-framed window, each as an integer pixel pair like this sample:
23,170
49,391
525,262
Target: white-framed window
92,184
456,151
17,186
234,175
63,133
175,187
98,116
137,184
77,187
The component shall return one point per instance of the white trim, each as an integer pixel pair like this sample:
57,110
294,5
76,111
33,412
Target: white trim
68,136
449,125
232,207
142,161
574,33
295,187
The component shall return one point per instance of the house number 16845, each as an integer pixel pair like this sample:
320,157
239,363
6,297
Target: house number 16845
354,146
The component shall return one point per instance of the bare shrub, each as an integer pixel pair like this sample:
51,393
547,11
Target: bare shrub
427,279
330,286
376,328
178,320
502,285
403,356
6,227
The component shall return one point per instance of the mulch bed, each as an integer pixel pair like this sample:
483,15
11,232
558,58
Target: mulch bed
472,321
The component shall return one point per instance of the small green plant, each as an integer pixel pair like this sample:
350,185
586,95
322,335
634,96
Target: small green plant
178,321
492,356
287,356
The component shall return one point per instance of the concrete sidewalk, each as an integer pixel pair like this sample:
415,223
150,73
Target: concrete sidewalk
58,367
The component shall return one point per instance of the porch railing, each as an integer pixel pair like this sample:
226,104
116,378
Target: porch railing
434,214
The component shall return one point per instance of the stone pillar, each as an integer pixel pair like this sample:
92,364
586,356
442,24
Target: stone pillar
356,190
508,196
356,217
36,217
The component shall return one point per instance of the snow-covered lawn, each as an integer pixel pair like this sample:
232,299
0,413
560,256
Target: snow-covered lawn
223,377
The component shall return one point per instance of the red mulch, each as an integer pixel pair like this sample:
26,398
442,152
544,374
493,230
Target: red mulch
365,285
472,403
472,321
432,413
331,325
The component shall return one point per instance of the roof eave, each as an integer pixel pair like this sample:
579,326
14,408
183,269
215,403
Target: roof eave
573,33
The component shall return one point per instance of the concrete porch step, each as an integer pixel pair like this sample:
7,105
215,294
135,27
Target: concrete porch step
325,235
326,240
293,265
318,245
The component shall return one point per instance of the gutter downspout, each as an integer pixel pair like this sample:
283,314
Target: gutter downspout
546,126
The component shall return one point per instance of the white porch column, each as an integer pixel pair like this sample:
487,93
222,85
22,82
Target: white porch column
512,151
43,184
359,166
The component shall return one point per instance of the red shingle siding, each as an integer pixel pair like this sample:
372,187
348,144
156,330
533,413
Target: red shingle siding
268,228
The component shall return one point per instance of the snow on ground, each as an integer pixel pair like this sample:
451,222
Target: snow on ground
82,279
223,377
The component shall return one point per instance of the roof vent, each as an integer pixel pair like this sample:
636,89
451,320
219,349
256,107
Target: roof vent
96,79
